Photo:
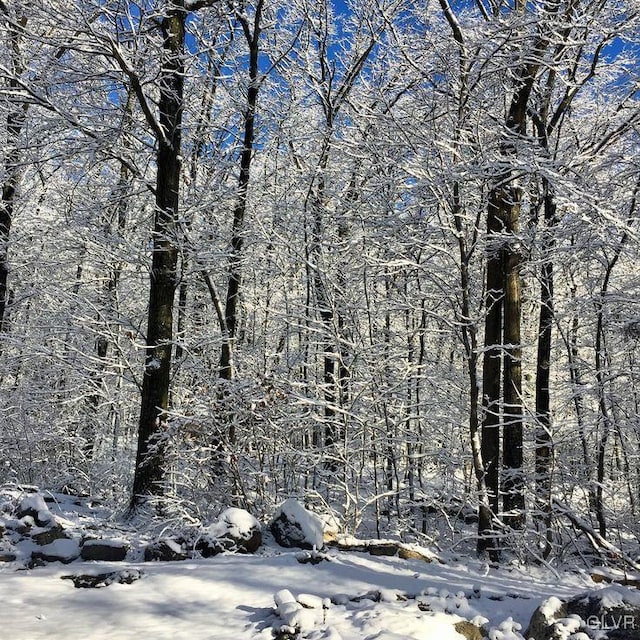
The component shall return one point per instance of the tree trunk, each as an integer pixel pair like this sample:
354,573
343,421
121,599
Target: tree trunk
503,282
602,362
491,371
543,441
239,212
470,341
109,292
150,468
512,434
12,169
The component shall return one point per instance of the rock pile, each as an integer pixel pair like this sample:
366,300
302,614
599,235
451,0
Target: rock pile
612,613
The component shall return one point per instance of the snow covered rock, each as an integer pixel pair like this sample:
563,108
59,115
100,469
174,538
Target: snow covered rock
33,506
298,616
83,581
311,557
44,536
509,629
235,530
383,548
62,550
542,624
331,528
410,552
104,550
614,610
612,613
469,630
437,625
295,526
18,527
166,550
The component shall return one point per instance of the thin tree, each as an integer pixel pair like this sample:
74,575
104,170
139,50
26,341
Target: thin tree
252,31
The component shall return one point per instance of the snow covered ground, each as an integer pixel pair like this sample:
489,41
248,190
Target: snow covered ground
345,595
231,597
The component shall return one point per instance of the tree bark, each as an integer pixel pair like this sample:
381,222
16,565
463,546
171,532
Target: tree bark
12,169
150,469
512,434
543,440
491,372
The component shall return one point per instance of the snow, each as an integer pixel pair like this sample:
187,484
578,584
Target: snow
507,630
62,548
615,596
429,627
345,596
173,545
240,596
153,364
550,607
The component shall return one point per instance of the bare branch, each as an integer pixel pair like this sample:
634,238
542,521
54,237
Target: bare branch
136,86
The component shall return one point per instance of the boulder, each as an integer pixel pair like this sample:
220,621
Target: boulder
17,526
295,526
33,506
166,550
45,536
613,612
469,630
207,547
296,618
7,556
407,553
104,550
542,623
62,550
235,530
311,557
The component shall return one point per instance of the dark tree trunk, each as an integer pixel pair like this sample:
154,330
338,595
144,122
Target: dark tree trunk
512,434
470,341
502,325
327,312
12,169
508,199
239,212
335,374
605,421
491,373
150,467
544,444
606,410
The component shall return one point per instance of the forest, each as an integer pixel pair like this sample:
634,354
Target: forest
376,255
